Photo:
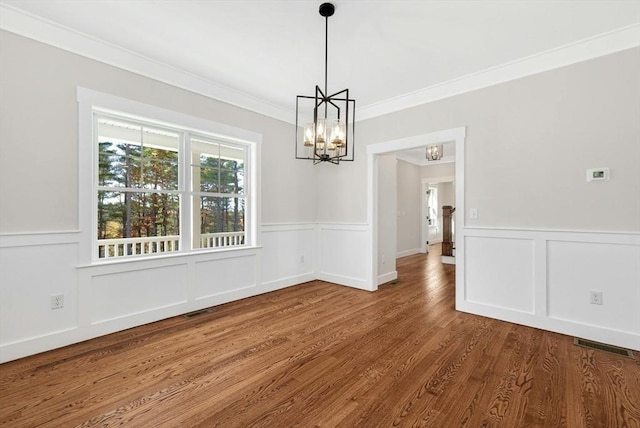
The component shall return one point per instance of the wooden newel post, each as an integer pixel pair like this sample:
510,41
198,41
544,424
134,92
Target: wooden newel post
447,230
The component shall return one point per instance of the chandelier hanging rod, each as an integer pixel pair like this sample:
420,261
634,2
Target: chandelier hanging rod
326,10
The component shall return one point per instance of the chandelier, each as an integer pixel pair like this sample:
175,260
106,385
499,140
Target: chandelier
329,137
434,152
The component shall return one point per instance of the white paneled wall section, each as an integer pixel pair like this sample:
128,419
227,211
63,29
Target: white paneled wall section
288,254
342,254
544,279
104,298
532,277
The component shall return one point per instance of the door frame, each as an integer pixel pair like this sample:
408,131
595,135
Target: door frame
457,135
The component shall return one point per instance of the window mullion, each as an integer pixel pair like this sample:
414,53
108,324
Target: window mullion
187,228
94,182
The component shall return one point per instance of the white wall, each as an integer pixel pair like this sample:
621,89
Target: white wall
528,145
409,209
438,172
447,194
387,209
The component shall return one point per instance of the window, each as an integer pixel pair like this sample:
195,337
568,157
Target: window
163,188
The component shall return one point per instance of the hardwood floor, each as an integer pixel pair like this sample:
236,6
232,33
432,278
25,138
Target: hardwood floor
324,355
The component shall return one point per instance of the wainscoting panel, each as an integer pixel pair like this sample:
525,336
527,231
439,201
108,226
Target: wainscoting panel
499,272
27,287
288,254
123,294
575,269
544,279
225,275
342,254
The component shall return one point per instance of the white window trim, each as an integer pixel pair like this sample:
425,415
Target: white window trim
89,101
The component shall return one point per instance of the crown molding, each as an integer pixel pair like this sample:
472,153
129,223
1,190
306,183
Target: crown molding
582,50
24,24
19,22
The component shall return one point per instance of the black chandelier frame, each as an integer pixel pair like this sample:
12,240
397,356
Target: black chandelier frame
339,103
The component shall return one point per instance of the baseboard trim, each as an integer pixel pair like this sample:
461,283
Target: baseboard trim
448,260
286,282
387,277
345,280
408,253
569,328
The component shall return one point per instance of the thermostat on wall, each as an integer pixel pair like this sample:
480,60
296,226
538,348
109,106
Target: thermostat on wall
598,174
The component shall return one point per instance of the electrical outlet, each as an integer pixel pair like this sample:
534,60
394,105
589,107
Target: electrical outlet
57,301
596,297
301,259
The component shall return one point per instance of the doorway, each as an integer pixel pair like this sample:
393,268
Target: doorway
456,135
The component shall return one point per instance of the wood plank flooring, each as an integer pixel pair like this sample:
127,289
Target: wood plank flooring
322,355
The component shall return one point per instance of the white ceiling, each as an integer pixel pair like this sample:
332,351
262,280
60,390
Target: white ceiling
270,51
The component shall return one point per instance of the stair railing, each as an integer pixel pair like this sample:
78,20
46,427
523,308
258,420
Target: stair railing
448,243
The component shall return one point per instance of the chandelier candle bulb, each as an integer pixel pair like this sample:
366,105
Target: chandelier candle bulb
320,132
309,134
337,133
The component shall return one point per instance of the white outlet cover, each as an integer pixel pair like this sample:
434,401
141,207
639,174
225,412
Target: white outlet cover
57,301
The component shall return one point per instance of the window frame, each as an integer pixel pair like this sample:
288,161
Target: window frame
92,102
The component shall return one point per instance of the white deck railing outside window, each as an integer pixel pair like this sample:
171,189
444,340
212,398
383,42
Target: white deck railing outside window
216,240
125,247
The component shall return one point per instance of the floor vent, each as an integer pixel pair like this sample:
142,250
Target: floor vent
602,347
197,313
